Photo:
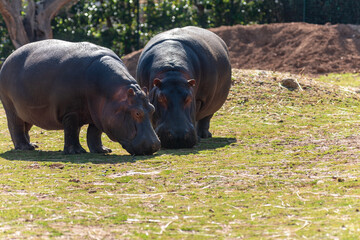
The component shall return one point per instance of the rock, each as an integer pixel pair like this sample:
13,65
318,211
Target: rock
290,84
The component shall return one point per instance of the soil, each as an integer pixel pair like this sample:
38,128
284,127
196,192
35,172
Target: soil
288,47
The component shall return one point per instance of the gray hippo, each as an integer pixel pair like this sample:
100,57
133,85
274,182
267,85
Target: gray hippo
56,84
188,73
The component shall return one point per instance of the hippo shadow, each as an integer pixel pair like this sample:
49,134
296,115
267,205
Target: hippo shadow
205,144
59,156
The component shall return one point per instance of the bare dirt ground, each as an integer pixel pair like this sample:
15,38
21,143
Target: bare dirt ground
288,47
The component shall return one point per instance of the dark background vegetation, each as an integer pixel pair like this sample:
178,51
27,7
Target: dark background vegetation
126,25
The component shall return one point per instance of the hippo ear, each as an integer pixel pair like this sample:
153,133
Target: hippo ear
191,82
131,92
157,82
145,90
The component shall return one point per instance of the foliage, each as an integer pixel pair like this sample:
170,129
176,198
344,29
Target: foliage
333,11
321,11
126,25
6,46
109,23
159,16
115,24
282,164
229,12
120,25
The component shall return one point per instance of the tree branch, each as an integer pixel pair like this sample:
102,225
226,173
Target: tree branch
36,24
47,10
16,5
5,10
52,7
11,12
29,20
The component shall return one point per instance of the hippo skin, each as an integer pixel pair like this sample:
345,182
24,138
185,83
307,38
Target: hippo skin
55,84
188,73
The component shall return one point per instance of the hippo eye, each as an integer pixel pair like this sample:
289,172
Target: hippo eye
138,115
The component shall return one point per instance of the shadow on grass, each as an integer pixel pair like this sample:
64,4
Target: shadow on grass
58,156
205,144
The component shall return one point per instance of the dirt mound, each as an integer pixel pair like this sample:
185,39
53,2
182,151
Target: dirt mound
293,47
289,47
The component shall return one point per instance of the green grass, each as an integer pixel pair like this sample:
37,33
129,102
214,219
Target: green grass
345,79
281,165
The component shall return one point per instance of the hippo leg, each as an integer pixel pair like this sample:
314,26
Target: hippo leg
27,129
93,138
19,131
72,130
203,127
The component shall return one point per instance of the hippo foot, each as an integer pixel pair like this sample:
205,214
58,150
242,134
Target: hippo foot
204,133
74,150
27,146
101,149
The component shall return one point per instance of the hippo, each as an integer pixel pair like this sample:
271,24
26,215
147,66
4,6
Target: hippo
56,84
188,73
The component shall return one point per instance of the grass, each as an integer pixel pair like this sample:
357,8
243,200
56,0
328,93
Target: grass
344,79
282,165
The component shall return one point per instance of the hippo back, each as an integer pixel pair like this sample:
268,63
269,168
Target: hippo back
50,60
49,77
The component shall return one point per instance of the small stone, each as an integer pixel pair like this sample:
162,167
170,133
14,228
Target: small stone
290,84
341,180
74,180
320,182
320,70
57,165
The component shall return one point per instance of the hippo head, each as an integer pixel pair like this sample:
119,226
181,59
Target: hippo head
174,119
126,119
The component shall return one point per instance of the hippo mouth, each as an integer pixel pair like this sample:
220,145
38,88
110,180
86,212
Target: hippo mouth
174,141
178,143
129,147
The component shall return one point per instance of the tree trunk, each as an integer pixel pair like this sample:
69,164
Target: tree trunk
35,25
